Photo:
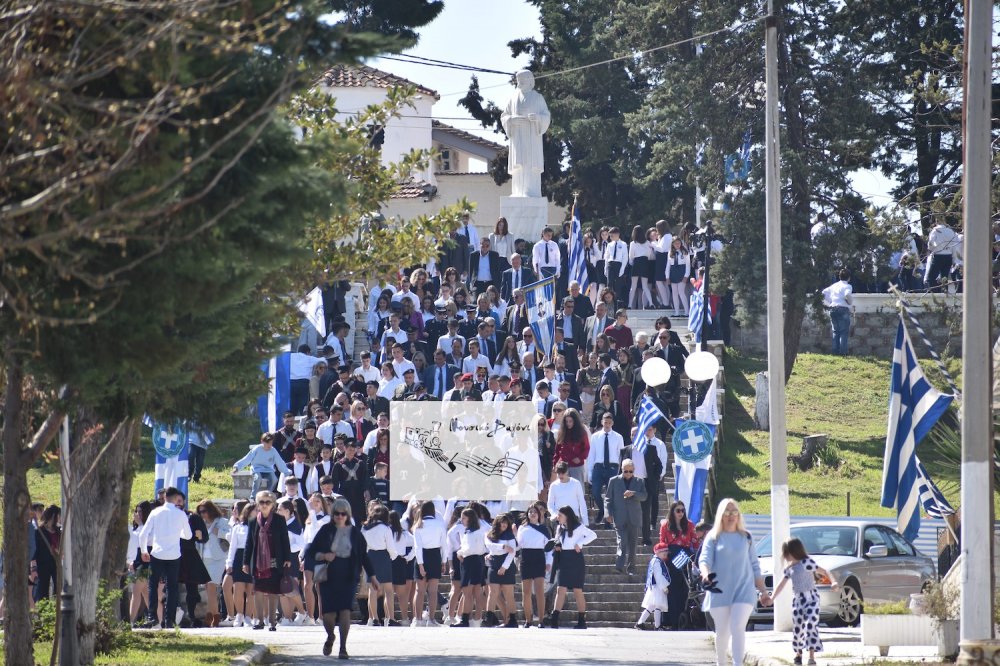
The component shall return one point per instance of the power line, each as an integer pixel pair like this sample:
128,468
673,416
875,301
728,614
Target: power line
431,62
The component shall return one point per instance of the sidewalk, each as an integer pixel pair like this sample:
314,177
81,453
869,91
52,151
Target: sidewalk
842,648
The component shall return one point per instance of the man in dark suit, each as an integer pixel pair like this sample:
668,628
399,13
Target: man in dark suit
565,397
584,308
571,325
439,377
515,277
376,404
608,376
435,328
516,317
484,267
456,254
487,347
496,336
568,351
595,325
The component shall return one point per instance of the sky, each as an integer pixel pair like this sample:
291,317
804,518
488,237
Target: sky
476,32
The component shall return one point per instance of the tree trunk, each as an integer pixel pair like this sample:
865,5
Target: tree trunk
16,503
96,501
117,541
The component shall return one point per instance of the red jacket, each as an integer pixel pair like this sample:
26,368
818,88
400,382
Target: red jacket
574,452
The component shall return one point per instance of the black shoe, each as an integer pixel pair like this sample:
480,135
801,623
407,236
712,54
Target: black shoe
490,619
798,660
343,654
328,647
150,624
620,570
273,627
464,622
552,619
527,624
647,542
393,623
258,626
640,627
511,622
581,621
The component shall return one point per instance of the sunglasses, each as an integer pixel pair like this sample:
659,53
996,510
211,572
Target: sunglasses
679,511
265,503
627,471
340,513
558,411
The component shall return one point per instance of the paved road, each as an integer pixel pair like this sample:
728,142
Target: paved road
300,646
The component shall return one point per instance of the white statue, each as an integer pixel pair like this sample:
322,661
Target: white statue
525,119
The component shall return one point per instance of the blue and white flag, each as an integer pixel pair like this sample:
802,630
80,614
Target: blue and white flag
539,298
170,442
691,477
697,312
681,559
738,164
914,407
935,504
649,414
577,258
311,308
273,404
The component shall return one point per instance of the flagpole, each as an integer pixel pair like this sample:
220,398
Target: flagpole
780,509
976,605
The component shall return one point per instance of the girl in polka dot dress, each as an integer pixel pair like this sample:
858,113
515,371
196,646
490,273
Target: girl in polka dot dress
802,571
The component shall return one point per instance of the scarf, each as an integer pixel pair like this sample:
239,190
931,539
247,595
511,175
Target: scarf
262,569
542,529
655,562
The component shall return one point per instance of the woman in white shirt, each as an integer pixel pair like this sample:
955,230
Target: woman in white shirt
402,567
319,515
535,562
661,254
430,543
471,551
381,552
243,598
387,385
678,270
291,603
594,259
213,554
502,243
639,256
571,537
138,571
379,313
455,529
502,545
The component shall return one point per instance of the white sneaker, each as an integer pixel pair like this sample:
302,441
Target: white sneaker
300,619
285,622
475,623
238,622
248,622
425,615
370,623
228,622
385,622
178,616
446,619
309,622
446,609
415,622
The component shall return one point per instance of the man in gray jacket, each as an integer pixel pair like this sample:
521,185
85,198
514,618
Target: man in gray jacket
623,506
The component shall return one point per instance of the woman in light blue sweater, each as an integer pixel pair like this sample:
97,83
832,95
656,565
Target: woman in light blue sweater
729,564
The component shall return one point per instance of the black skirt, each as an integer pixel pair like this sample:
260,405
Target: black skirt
472,571
640,267
192,568
338,591
432,565
402,571
572,570
532,563
660,266
269,585
238,575
509,577
601,277
381,565
456,568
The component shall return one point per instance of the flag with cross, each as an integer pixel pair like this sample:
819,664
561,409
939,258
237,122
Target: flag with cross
170,441
693,442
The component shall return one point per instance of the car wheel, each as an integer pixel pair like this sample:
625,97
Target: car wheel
851,606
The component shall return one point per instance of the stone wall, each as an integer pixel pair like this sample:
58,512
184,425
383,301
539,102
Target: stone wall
874,326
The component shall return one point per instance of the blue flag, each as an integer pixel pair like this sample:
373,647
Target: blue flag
914,407
170,441
691,478
649,414
273,404
577,259
539,299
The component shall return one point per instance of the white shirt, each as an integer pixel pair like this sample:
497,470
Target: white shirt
469,364
444,342
471,233
316,521
410,296
402,366
299,470
502,245
943,240
636,250
404,541
372,374
296,544
496,549
164,529
319,470
399,336
484,274
664,243
379,537
567,493
328,430
237,540
616,251
431,534
528,538
582,535
839,295
387,387
538,256
301,365
471,542
596,455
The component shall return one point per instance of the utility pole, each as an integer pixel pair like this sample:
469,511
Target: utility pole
68,647
780,510
976,606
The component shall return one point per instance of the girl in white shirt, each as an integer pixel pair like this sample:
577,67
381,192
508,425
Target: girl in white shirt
242,582
455,529
678,270
570,539
639,255
471,551
291,603
535,562
138,571
661,253
381,552
319,515
502,545
502,243
402,567
430,543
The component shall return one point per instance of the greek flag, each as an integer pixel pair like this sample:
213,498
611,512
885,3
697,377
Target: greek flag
649,414
914,407
577,260
691,480
170,442
697,312
681,559
935,504
311,308
539,299
277,400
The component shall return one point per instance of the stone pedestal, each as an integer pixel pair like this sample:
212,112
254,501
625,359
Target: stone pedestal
526,216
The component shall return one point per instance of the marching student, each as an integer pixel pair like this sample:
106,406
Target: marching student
471,551
319,515
657,585
535,562
227,577
402,570
243,599
292,601
164,529
502,545
214,556
430,544
571,537
323,467
381,553
802,571
455,528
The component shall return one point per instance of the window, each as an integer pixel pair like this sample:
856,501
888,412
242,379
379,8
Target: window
899,544
445,160
874,537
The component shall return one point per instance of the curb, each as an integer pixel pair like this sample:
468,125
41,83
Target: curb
254,655
759,660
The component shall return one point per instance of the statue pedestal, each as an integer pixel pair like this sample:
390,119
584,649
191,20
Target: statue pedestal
526,216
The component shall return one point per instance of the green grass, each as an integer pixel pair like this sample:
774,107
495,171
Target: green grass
159,648
844,397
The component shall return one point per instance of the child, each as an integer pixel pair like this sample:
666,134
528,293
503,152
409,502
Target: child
378,486
802,571
657,586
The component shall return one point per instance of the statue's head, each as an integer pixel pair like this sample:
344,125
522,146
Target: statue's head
525,80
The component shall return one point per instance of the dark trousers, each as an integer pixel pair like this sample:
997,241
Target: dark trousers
599,477
197,462
45,584
299,395
167,570
940,268
480,287
192,597
616,284
677,595
651,509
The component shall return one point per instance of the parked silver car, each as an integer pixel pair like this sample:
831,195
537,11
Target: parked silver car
870,561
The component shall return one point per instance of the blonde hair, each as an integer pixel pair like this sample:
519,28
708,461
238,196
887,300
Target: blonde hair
341,505
264,494
720,511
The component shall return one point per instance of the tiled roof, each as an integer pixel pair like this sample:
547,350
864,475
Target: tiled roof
363,76
414,189
462,134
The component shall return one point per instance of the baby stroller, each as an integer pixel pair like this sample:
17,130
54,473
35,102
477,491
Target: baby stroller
693,618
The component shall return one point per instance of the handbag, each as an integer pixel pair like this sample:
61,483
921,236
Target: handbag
320,572
287,585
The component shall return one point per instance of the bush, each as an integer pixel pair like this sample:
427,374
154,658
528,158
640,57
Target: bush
888,608
941,601
110,633
43,622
